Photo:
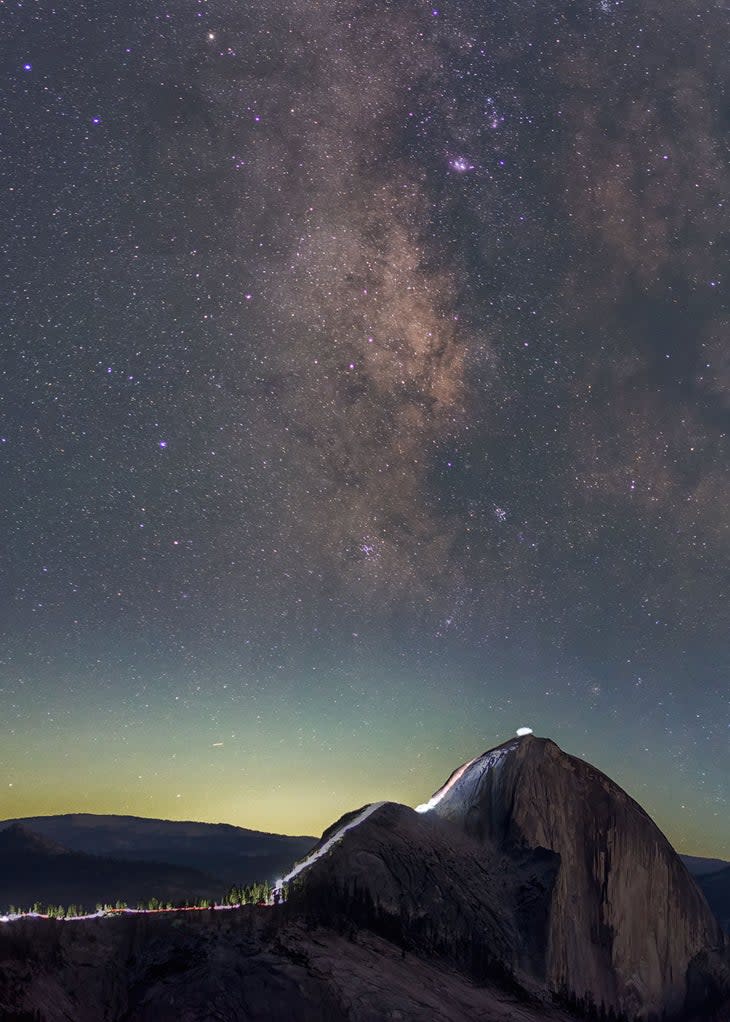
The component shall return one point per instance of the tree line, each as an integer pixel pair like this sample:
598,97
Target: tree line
260,893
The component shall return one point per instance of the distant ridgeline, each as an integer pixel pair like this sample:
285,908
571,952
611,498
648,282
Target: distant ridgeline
87,860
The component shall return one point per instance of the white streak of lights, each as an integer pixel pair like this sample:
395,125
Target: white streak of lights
355,822
437,796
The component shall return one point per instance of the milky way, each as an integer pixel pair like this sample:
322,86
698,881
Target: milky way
365,393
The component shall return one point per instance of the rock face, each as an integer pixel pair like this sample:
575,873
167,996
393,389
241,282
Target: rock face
431,890
625,917
534,866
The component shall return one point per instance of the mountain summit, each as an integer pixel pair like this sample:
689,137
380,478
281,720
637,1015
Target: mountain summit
625,916
542,867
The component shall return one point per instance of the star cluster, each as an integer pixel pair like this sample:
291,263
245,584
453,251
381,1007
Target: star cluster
365,389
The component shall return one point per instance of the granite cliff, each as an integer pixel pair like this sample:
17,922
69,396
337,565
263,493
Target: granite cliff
530,864
625,917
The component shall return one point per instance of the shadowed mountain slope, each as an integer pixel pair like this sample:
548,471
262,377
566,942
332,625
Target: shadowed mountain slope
716,888
698,865
232,855
35,869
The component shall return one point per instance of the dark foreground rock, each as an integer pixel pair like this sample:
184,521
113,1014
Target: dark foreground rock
239,966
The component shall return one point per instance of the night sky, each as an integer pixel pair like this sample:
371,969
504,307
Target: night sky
364,396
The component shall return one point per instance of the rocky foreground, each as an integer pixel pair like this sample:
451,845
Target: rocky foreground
246,965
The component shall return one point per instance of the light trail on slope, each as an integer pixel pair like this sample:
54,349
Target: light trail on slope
306,863
109,912
488,760
438,795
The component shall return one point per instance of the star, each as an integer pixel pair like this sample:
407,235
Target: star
461,165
